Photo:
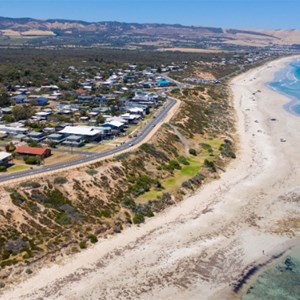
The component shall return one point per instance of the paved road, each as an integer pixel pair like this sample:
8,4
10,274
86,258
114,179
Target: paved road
72,151
143,133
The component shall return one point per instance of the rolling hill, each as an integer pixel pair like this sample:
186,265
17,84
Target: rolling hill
27,31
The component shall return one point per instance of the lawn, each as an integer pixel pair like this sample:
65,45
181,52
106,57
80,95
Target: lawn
17,168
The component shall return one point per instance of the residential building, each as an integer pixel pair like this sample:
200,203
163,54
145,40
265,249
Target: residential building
5,157
56,138
33,151
35,136
89,133
74,141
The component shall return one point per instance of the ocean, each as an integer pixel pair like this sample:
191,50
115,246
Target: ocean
287,82
279,282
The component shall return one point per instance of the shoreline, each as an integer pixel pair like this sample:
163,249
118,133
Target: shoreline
184,251
261,266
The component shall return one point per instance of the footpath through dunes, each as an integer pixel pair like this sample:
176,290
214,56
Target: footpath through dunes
200,248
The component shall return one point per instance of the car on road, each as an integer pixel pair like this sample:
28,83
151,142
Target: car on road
282,140
130,144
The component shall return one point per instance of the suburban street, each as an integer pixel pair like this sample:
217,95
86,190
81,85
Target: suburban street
157,120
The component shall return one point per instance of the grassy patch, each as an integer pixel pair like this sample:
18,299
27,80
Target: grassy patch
190,170
17,168
186,172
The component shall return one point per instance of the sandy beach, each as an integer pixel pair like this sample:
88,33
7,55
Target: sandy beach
201,247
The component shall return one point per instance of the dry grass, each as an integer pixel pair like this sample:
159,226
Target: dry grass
58,157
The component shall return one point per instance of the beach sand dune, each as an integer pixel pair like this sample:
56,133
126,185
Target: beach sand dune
201,247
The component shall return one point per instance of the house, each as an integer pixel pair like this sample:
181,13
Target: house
35,136
19,99
84,119
43,115
93,114
49,130
130,118
114,125
5,157
74,141
41,101
85,132
115,118
56,138
85,99
13,129
136,110
163,82
33,151
6,110
20,137
50,87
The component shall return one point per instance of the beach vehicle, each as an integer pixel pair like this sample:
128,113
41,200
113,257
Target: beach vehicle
282,140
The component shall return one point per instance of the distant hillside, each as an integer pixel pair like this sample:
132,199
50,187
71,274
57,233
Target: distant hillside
132,35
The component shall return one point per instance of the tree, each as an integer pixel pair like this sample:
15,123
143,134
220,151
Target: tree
100,119
32,160
21,113
192,152
32,143
10,147
4,100
8,118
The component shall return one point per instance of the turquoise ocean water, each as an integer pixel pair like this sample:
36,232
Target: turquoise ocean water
282,280
287,81
279,282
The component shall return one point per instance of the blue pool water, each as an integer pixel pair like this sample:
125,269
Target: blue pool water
279,282
287,81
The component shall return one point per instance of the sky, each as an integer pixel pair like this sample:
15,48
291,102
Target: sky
247,14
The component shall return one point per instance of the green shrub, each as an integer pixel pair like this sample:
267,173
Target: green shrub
82,245
91,172
93,238
207,147
171,166
127,201
174,165
63,218
2,168
10,148
60,180
32,143
149,214
193,152
32,160
30,184
226,149
183,160
138,218
210,165
106,213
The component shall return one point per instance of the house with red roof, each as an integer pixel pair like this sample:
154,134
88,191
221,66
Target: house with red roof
34,151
